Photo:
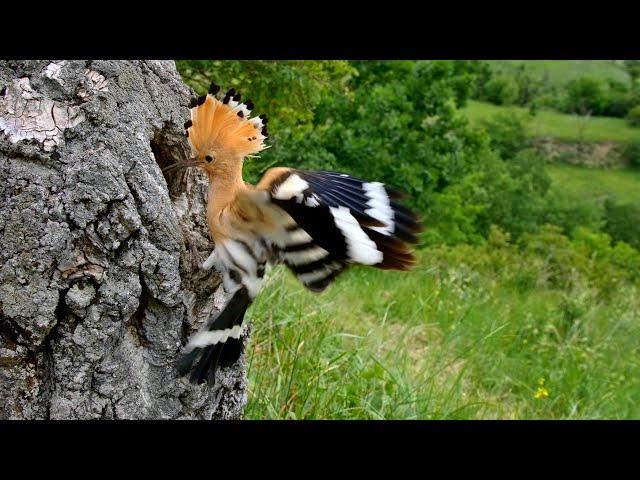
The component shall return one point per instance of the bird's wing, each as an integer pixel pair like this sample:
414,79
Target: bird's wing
339,220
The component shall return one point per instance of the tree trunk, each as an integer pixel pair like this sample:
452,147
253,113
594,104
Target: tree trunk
100,278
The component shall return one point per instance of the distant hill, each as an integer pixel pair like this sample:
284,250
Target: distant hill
559,72
565,127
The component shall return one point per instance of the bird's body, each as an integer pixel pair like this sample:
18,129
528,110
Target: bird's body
316,223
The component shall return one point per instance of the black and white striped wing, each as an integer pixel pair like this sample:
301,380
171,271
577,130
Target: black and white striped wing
341,220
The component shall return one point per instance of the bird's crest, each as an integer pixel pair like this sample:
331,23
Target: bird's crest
225,125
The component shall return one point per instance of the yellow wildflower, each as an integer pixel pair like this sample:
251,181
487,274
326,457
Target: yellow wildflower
541,392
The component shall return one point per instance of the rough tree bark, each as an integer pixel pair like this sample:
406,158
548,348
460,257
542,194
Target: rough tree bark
100,279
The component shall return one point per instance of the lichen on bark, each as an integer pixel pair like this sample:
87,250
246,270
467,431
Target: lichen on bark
100,254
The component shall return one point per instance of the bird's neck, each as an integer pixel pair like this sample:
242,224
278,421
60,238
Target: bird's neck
224,185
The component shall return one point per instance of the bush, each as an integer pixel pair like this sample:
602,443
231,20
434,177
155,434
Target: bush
633,117
584,96
618,104
501,90
529,87
507,133
631,154
622,222
570,211
509,195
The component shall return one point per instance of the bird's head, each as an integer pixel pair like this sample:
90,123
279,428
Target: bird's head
221,132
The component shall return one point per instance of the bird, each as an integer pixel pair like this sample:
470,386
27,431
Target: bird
317,223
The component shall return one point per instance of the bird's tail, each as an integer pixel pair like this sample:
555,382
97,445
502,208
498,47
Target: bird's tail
217,345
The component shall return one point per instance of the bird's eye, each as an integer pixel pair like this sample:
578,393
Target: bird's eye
209,158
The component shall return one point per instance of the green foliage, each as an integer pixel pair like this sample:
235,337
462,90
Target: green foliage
560,126
568,210
507,194
631,154
580,87
289,91
500,90
508,133
619,104
633,117
589,185
622,222
529,86
554,74
405,131
584,96
633,69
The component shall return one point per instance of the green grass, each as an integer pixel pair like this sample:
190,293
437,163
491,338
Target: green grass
594,184
473,332
569,128
559,72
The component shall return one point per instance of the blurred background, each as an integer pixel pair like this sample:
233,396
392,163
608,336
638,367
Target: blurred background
525,301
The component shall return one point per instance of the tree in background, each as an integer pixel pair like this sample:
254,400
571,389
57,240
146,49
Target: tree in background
584,96
393,120
632,67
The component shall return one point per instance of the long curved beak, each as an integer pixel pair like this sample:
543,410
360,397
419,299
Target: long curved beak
180,165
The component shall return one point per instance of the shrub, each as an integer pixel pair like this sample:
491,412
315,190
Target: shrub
583,96
633,116
529,87
501,90
570,211
631,154
508,195
618,104
507,133
622,222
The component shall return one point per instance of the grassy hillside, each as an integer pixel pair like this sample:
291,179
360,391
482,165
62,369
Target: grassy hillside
559,72
473,332
570,128
593,184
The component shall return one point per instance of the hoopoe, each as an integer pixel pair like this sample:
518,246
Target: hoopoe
317,223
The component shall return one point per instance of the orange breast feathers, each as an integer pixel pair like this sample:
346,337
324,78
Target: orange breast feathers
249,212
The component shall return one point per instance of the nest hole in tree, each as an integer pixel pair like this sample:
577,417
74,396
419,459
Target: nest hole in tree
170,146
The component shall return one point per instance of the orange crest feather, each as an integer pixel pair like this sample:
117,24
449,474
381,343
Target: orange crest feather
225,126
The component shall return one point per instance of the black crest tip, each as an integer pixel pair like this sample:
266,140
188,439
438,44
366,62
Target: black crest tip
213,89
187,124
240,114
249,104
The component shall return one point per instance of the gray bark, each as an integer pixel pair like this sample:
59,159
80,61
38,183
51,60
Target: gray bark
100,278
